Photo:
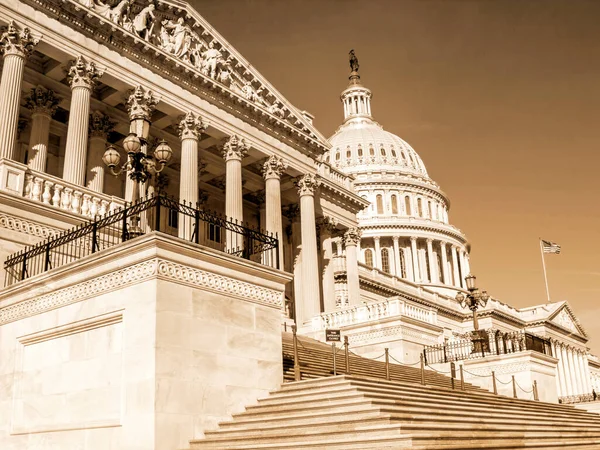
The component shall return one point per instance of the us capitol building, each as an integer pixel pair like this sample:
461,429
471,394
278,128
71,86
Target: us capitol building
166,213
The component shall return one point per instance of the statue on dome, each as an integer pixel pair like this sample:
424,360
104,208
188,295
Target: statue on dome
353,61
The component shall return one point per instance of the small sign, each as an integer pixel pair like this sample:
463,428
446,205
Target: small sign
333,336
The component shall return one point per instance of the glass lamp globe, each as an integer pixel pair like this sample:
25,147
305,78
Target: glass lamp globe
470,280
132,144
163,152
111,156
484,297
460,298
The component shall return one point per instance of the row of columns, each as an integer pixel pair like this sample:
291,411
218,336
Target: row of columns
572,369
414,269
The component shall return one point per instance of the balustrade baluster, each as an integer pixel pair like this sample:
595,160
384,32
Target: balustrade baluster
47,196
56,198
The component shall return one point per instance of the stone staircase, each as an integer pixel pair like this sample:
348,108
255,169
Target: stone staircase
360,411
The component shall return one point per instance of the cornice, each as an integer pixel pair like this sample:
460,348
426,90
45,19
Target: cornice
408,229
104,31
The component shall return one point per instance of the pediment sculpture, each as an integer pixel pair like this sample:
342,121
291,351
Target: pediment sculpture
176,36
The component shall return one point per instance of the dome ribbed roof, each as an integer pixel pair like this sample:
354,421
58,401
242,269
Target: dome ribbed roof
369,144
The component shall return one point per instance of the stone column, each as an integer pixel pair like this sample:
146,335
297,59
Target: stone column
432,262
190,130
100,126
310,265
467,263
351,241
578,374
141,103
43,103
567,371
397,264
457,282
463,268
16,45
445,273
82,77
560,374
294,231
377,258
585,370
273,168
572,371
234,150
415,259
326,225
408,262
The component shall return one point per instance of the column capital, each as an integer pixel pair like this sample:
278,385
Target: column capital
352,236
306,184
83,73
273,167
234,148
429,240
15,41
395,239
443,245
42,101
326,224
413,239
191,126
100,125
141,103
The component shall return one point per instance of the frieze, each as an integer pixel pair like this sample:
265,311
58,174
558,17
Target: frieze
170,35
28,227
135,274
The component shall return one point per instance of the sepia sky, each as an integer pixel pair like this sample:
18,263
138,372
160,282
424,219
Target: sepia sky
501,99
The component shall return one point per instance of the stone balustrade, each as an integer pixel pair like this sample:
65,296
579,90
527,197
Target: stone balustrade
340,178
374,311
21,180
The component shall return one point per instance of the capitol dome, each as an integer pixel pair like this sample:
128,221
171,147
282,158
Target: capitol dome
405,231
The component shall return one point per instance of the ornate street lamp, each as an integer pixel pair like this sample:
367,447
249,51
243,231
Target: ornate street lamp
139,166
474,299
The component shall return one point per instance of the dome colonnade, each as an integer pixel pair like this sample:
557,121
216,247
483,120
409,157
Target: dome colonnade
405,230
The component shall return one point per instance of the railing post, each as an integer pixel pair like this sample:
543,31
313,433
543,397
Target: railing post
24,266
535,391
47,261
462,379
157,218
333,353
514,385
124,224
494,382
387,364
94,237
346,354
197,225
422,369
452,373
296,362
277,250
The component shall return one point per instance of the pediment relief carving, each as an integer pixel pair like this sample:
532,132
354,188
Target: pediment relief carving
178,30
565,320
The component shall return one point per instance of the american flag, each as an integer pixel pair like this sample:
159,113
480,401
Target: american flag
550,247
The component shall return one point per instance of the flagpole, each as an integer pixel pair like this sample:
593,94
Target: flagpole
544,266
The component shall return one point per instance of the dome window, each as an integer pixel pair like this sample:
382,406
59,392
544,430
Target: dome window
371,151
394,205
385,260
337,156
360,152
379,200
348,154
420,207
407,205
383,153
393,153
369,257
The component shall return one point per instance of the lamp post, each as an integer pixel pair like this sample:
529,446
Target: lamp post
139,166
474,299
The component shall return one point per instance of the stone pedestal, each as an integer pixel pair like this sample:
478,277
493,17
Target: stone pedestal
142,346
526,366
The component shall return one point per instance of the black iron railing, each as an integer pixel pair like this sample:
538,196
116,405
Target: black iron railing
482,343
155,213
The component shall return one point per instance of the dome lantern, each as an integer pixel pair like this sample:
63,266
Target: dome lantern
356,98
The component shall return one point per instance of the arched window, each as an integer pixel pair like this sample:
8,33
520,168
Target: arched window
337,156
360,153
385,260
369,257
401,272
403,157
371,151
348,154
383,153
407,205
379,199
393,152
420,207
430,210
327,158
394,205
